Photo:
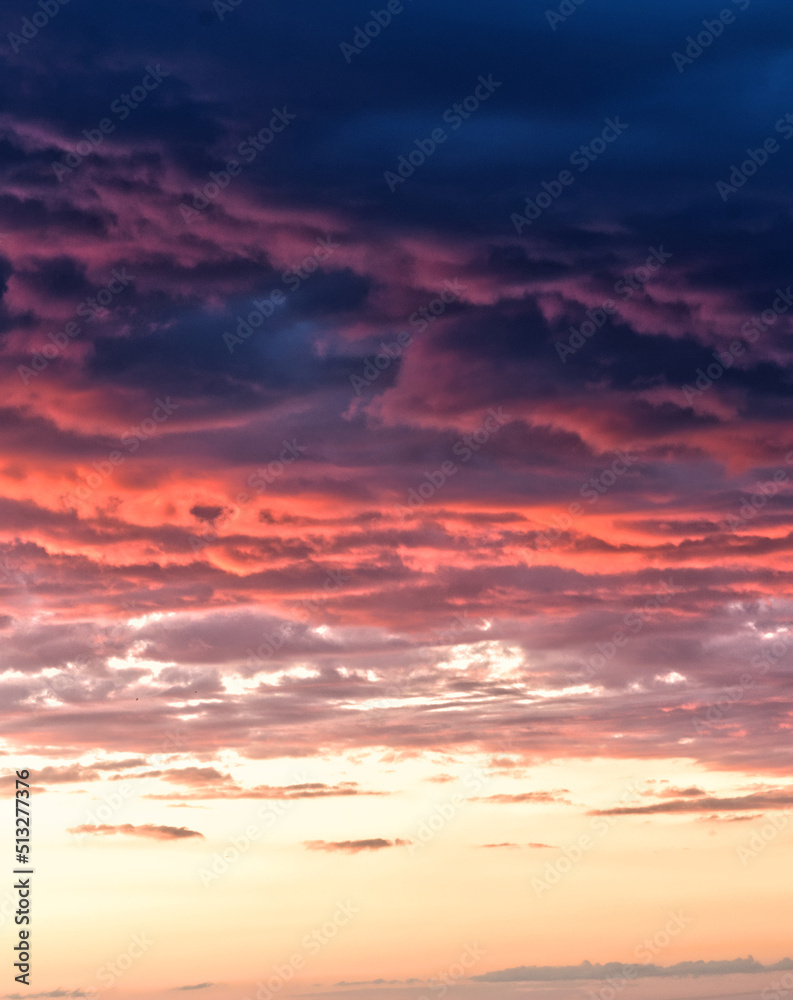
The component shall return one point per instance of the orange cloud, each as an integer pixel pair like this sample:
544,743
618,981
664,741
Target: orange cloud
353,846
145,830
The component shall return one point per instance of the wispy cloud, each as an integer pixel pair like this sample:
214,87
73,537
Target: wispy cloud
588,970
353,846
205,789
540,797
145,830
51,993
705,803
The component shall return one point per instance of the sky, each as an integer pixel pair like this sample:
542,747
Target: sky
395,480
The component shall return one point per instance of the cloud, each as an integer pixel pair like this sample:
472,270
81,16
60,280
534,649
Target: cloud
120,765
587,970
164,569
207,513
540,797
63,775
197,986
145,830
193,776
378,982
592,581
353,846
780,799
513,845
302,790
717,818
52,993
672,792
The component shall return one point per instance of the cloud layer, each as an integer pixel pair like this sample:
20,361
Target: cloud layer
324,451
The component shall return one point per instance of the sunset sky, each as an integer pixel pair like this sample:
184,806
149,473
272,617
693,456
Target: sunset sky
395,496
